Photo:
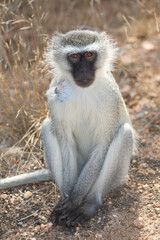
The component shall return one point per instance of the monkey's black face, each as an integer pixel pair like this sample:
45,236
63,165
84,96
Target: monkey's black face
83,67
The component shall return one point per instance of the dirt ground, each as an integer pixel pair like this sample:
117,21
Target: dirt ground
131,212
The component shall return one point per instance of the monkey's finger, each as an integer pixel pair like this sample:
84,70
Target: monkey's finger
58,208
54,218
73,212
66,211
62,205
82,218
73,217
75,222
62,218
66,205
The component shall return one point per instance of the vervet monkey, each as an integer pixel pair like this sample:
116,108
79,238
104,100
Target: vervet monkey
88,139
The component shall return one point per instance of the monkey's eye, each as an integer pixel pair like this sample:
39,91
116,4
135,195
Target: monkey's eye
74,58
90,56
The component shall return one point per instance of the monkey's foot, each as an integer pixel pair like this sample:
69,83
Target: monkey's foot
61,211
83,213
66,214
76,217
68,218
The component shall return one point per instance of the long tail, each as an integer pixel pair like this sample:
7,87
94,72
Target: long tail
33,177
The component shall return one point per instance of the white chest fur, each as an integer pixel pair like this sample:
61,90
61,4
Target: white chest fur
85,112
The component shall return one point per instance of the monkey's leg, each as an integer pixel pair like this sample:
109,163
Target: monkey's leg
117,162
52,154
60,157
114,170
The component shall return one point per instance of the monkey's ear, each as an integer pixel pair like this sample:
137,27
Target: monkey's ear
112,52
53,44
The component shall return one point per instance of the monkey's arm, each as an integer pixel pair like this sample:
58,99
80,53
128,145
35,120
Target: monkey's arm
34,177
89,174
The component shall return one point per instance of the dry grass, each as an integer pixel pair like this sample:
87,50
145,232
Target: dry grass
24,27
22,85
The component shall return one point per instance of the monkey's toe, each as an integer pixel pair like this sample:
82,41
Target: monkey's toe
57,215
54,218
64,205
66,215
75,220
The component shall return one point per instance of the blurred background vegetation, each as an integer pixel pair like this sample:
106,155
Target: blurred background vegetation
24,29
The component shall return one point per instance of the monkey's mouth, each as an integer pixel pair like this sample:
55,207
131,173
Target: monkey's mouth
84,82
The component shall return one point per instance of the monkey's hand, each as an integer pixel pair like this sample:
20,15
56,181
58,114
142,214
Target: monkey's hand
67,213
62,211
